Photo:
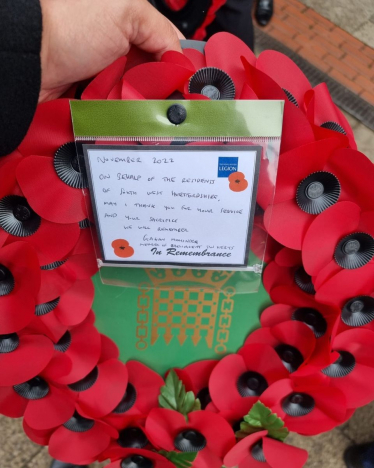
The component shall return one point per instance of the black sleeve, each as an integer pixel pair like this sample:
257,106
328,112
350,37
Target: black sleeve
235,17
20,71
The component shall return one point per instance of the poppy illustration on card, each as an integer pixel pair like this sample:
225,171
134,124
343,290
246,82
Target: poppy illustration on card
237,182
122,248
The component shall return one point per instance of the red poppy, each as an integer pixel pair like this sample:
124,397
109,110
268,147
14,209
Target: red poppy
101,390
140,395
80,440
131,435
286,74
318,317
18,221
293,341
39,437
76,352
341,290
309,181
352,366
109,350
63,198
56,278
19,284
195,378
306,409
42,404
8,181
205,432
54,317
287,272
238,380
158,80
23,357
340,239
296,129
81,264
259,451
51,128
140,458
101,86
327,119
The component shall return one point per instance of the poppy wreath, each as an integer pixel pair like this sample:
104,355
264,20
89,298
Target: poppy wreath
306,369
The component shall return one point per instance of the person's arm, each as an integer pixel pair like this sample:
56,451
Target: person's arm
20,72
80,38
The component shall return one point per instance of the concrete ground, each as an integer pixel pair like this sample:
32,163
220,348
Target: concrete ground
354,16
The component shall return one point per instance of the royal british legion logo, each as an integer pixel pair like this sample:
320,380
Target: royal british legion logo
227,166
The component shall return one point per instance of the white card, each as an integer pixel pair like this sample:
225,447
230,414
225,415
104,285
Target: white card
189,206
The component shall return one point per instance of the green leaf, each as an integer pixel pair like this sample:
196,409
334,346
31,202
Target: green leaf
259,418
174,396
180,460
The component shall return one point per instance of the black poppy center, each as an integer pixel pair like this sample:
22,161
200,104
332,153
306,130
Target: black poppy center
291,97
357,306
6,281
63,344
317,192
343,366
46,307
78,423
213,83
304,281
85,383
251,384
34,389
22,212
53,265
190,441
211,92
128,400
330,125
358,311
17,217
354,251
312,318
298,404
75,164
257,452
69,166
351,246
132,437
8,343
137,461
204,397
290,356
314,190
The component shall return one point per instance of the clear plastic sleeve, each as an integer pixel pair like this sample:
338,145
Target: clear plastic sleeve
177,188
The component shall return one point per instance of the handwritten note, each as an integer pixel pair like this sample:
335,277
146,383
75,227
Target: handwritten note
173,205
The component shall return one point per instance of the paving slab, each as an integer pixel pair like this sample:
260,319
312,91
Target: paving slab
325,450
15,448
43,460
354,16
360,428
